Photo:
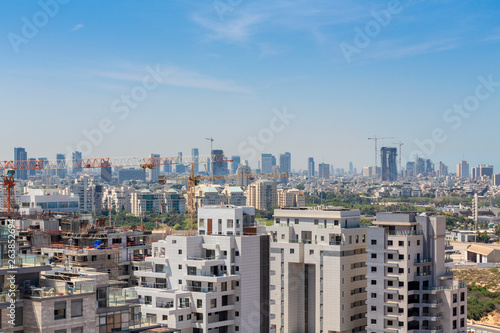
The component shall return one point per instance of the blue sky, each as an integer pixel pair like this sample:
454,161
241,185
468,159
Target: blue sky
227,66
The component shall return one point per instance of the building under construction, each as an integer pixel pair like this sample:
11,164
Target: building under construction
389,167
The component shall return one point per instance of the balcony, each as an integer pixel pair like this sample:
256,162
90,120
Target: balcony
432,316
68,290
119,297
154,285
423,262
23,260
199,289
431,329
404,232
432,303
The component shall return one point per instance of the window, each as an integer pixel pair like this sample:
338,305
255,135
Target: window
59,310
390,269
401,270
76,308
180,266
202,223
175,241
213,303
374,321
418,241
316,222
374,256
311,252
164,317
77,329
180,251
60,331
374,242
462,297
374,308
374,269
454,298
237,253
373,282
401,257
230,223
199,303
390,256
374,295
181,318
389,283
462,310
454,312
401,243
389,243
292,251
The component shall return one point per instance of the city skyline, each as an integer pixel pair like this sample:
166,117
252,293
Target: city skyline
415,78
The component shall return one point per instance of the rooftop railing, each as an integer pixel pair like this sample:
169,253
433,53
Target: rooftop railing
79,288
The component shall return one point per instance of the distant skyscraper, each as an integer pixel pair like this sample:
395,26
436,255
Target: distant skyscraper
61,159
443,170
167,168
44,161
106,173
77,155
196,155
351,168
485,171
154,173
32,172
419,166
20,155
324,171
389,167
179,168
463,170
219,168
266,163
310,167
410,168
234,164
286,162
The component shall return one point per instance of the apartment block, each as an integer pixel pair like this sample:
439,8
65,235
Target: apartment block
318,271
225,220
262,194
207,283
409,287
291,198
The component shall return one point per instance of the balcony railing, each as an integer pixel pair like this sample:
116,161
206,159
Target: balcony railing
422,261
432,315
154,285
404,232
79,288
23,260
199,289
119,297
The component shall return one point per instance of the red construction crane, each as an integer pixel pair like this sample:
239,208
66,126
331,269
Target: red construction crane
89,163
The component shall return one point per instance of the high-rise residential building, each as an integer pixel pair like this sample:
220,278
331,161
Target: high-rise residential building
76,156
196,157
351,168
235,164
324,170
266,163
180,168
496,179
310,167
61,173
429,167
318,265
388,156
291,198
285,162
463,170
409,287
146,201
154,173
410,168
217,281
262,194
20,155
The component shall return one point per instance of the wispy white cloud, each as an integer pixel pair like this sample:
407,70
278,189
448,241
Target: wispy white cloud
175,76
394,49
234,30
77,27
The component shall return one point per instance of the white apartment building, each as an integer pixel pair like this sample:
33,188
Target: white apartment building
225,220
207,196
205,283
117,198
409,287
38,200
318,271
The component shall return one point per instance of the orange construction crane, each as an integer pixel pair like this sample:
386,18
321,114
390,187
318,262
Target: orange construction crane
193,180
86,163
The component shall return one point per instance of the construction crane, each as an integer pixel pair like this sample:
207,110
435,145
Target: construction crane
375,138
400,153
87,163
194,180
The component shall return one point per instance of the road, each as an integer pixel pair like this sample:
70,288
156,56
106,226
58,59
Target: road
483,329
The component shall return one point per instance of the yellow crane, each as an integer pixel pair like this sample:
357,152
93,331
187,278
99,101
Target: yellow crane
193,180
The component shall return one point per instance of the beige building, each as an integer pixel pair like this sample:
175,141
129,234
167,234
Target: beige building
483,253
262,194
291,198
318,271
